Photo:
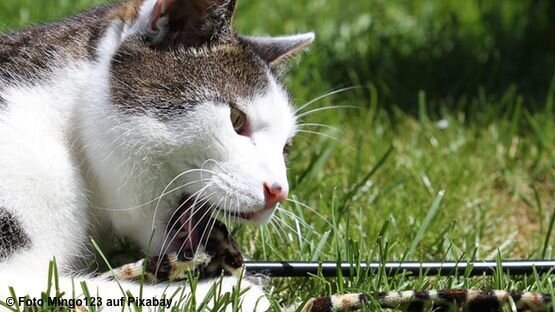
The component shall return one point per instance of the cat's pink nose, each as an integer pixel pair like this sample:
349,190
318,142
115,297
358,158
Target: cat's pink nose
273,194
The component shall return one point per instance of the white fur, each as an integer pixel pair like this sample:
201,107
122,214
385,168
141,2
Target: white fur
72,165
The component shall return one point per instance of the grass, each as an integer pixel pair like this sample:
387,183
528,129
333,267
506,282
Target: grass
448,153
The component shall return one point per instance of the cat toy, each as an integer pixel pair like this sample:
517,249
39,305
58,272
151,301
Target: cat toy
221,255
332,269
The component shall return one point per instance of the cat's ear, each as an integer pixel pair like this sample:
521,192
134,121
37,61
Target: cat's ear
275,50
172,22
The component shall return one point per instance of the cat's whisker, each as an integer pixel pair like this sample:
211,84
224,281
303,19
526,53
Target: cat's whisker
166,188
314,124
320,134
208,230
169,240
237,199
202,166
296,202
214,219
190,210
298,220
234,205
167,232
305,138
199,242
284,232
201,170
281,233
279,222
270,238
294,217
198,200
297,233
280,209
214,213
325,95
195,226
150,201
187,200
282,226
310,112
217,163
178,231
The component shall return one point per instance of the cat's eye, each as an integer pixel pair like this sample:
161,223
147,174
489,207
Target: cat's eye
239,121
287,148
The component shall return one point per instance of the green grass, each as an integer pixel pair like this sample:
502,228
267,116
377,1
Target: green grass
448,154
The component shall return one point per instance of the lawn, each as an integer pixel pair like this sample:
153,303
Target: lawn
439,143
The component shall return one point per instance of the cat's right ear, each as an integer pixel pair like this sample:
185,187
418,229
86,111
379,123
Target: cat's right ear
172,22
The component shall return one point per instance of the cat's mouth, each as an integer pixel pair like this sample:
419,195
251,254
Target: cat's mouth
191,226
258,216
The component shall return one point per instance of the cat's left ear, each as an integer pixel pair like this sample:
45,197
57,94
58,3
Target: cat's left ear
173,22
275,50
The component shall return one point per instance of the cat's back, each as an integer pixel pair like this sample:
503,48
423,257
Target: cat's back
28,54
43,71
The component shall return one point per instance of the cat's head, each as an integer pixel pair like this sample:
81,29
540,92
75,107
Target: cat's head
195,97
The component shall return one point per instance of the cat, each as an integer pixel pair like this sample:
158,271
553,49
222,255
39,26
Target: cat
144,119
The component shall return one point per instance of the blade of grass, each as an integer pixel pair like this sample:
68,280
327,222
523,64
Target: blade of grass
354,190
548,235
315,165
426,223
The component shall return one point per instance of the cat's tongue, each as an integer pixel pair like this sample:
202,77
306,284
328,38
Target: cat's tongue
187,229
189,233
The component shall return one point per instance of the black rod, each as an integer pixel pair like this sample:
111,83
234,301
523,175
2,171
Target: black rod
330,269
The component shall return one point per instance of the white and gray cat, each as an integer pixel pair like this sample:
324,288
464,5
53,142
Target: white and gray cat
127,117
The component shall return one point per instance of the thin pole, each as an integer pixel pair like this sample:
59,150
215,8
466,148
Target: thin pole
330,269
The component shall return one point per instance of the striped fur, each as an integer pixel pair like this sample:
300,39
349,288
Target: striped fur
471,300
